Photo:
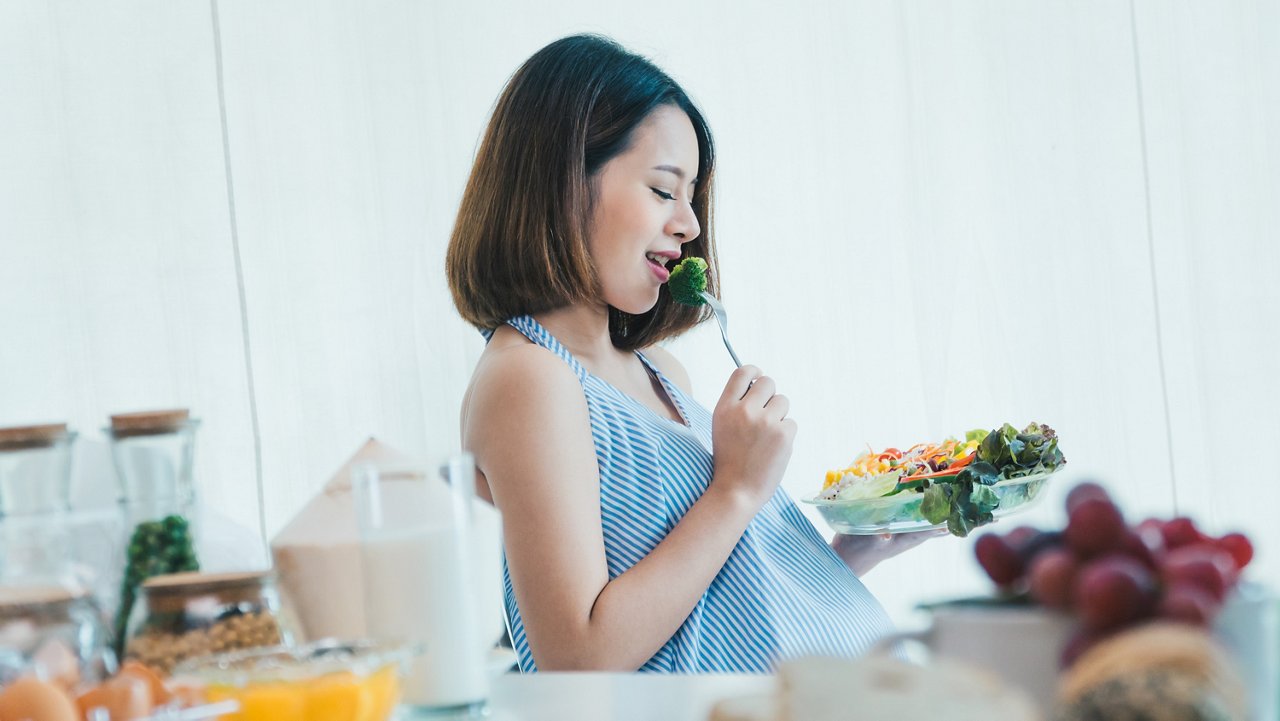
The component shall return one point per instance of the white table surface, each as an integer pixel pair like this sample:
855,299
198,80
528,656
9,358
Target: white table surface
616,696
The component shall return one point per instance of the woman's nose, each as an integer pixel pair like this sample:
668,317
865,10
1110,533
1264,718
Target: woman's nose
684,224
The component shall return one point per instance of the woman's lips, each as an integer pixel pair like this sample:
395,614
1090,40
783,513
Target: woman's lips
661,272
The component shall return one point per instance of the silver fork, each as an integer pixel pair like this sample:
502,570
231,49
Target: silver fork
722,317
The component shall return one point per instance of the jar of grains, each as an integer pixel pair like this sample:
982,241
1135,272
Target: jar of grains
186,615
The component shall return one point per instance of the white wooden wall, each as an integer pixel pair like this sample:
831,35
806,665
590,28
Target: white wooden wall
933,216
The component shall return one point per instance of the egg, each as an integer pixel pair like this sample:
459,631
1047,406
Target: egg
126,697
159,694
31,698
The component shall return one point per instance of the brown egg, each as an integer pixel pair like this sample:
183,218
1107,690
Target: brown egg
159,694
31,698
126,697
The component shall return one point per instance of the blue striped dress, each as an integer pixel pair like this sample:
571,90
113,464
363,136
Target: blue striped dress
782,592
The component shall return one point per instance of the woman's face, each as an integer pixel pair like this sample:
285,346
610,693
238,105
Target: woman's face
643,211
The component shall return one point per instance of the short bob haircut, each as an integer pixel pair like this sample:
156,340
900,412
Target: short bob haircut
519,245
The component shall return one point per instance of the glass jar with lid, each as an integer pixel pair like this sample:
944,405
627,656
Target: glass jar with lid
154,453
186,615
54,631
35,490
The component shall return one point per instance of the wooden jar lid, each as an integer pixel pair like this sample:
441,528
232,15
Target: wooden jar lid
23,437
149,423
196,582
18,599
170,592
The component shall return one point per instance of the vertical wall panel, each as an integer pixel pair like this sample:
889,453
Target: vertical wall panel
117,281
1212,107
961,187
332,115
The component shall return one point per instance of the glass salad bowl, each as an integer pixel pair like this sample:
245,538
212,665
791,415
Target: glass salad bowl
324,681
900,513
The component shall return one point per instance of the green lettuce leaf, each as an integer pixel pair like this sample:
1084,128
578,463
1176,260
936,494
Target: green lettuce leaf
936,506
979,472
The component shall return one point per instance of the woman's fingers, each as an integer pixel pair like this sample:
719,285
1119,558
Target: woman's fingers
760,392
778,406
739,382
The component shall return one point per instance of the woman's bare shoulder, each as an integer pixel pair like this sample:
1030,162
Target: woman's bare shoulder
670,367
518,383
525,419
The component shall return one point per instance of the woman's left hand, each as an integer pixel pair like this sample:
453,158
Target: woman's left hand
862,553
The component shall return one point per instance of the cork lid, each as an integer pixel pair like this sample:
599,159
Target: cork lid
194,582
24,437
24,599
149,423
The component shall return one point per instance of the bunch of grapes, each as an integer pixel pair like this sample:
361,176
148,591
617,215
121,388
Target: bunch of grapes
1111,575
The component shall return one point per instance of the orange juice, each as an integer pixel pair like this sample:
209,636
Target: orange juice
384,688
338,696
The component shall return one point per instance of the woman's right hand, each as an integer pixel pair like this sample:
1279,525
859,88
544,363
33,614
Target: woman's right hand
751,436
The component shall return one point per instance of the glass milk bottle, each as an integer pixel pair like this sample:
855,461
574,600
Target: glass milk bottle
431,557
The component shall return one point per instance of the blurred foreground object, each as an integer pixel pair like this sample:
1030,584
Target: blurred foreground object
878,687
1158,672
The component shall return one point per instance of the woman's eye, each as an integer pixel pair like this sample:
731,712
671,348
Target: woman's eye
663,194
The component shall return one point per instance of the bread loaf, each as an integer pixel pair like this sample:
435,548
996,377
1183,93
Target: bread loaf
1157,672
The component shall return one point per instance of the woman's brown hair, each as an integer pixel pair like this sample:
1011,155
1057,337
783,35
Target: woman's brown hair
519,245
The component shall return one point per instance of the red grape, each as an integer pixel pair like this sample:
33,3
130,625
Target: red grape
1211,569
1145,547
1032,546
1094,527
1154,524
998,559
1113,591
1189,604
1021,535
1181,532
1083,492
1238,545
1053,575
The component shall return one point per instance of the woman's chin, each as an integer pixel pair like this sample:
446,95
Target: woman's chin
637,306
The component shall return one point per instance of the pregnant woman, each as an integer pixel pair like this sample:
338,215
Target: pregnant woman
642,530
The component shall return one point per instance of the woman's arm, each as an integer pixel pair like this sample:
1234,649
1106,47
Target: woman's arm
528,426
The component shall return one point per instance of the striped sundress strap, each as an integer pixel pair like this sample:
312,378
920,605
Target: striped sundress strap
534,331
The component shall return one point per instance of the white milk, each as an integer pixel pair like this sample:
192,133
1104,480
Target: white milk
421,586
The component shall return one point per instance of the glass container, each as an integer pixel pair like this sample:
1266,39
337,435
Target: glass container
901,513
188,615
35,489
54,632
431,564
35,469
154,455
330,680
